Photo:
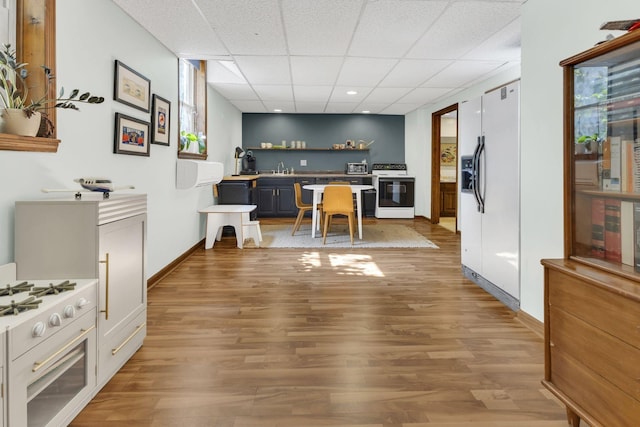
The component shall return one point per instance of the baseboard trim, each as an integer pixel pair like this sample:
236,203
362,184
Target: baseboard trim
153,280
531,323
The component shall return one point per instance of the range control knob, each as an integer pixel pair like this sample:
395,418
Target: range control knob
82,302
38,330
68,312
55,320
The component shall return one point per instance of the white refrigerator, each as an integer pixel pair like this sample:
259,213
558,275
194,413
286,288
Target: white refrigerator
489,173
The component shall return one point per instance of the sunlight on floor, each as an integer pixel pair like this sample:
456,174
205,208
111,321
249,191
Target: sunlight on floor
349,264
353,264
449,223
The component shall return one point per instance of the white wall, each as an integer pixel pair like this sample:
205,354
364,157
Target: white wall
90,36
551,31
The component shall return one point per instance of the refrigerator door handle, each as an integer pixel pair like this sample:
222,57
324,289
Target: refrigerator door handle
475,168
479,172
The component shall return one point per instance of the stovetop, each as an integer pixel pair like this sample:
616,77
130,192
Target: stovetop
389,169
23,300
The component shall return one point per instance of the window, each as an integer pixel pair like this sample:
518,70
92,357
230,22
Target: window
192,107
35,44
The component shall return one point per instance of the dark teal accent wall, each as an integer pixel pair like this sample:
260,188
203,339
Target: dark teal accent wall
321,131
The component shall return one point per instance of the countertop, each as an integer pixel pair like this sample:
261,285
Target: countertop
314,174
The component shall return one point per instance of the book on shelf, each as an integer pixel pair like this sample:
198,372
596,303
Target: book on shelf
612,235
627,232
636,167
636,235
606,164
597,227
614,174
627,166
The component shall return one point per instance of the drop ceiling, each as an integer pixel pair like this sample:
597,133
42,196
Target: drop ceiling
304,56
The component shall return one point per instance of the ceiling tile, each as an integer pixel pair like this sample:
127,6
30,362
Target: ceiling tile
461,73
234,91
274,92
265,69
167,24
388,28
322,28
413,72
246,27
364,71
250,106
314,71
310,107
463,27
312,93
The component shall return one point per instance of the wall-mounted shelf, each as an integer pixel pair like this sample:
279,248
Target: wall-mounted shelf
27,143
346,150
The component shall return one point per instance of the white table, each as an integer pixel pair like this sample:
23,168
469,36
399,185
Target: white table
318,189
220,215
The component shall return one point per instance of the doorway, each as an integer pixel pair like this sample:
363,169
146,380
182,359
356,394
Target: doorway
444,166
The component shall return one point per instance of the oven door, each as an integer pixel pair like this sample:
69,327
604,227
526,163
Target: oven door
51,382
396,192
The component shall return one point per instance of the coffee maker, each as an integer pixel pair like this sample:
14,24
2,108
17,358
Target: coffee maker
249,164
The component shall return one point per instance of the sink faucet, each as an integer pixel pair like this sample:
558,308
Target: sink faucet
281,165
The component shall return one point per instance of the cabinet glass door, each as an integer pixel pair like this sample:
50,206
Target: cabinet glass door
604,148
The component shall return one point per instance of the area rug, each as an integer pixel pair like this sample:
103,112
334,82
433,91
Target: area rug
373,236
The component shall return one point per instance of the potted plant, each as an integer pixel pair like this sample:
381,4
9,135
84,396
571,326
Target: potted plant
20,114
191,143
587,144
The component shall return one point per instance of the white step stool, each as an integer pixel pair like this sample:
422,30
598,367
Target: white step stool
251,230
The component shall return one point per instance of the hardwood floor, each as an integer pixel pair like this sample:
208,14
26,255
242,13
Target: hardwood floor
351,338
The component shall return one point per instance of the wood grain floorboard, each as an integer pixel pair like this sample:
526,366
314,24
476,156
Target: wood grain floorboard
341,338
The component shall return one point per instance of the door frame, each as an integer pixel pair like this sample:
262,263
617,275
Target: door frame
436,120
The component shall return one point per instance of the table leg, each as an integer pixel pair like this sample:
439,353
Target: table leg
314,213
359,207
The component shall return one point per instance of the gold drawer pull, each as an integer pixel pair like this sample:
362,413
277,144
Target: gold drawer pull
118,348
38,365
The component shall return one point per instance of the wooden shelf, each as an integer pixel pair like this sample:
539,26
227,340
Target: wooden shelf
345,150
28,143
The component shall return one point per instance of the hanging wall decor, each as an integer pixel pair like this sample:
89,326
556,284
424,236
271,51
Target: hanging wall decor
131,136
131,88
160,120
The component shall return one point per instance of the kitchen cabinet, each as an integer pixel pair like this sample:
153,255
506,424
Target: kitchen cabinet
237,192
592,295
276,197
92,238
448,199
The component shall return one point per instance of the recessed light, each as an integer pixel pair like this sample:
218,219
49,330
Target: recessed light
352,92
365,111
277,110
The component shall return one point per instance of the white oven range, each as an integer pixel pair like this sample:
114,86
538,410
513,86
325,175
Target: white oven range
50,348
394,190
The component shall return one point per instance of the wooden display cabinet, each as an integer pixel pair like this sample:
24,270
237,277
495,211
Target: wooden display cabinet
592,296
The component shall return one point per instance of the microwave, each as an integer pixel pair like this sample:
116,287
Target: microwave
357,169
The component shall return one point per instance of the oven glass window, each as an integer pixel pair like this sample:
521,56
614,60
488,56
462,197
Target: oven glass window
396,193
56,386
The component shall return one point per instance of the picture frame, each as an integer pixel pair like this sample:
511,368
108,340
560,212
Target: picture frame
448,154
131,136
131,88
160,120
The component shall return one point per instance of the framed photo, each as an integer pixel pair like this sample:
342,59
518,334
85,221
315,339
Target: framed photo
131,136
448,154
160,120
131,87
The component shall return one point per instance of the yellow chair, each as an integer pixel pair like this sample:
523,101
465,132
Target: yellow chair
302,208
338,200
